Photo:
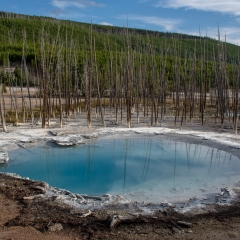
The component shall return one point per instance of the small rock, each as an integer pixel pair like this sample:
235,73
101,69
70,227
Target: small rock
3,157
184,224
225,192
42,189
90,136
106,195
55,227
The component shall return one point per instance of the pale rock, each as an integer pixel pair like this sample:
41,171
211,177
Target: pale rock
3,157
90,136
55,227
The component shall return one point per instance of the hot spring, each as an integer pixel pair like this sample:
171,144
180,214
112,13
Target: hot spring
141,169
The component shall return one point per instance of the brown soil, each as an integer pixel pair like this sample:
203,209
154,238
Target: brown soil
31,219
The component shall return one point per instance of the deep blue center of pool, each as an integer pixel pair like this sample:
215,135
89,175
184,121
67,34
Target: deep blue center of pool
135,167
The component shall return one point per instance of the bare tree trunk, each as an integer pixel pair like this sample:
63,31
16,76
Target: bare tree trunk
128,99
45,98
98,90
2,111
90,80
59,89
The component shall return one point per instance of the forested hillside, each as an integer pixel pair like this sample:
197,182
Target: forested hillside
16,29
134,69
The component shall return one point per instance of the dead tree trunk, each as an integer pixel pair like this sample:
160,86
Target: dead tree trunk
45,98
89,99
2,110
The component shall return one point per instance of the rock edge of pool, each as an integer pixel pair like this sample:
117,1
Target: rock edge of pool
27,137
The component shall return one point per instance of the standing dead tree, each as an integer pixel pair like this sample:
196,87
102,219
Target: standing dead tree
89,89
129,75
1,109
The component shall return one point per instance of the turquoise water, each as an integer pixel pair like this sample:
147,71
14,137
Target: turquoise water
143,169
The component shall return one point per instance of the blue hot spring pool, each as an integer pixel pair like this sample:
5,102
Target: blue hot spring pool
140,169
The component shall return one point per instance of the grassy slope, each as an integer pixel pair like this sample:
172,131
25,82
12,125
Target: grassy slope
12,30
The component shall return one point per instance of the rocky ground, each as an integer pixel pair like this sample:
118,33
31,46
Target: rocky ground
40,219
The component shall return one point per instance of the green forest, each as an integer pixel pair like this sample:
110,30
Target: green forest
77,65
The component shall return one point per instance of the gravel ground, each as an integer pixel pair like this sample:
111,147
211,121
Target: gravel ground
37,219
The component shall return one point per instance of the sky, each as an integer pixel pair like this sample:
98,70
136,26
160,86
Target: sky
194,17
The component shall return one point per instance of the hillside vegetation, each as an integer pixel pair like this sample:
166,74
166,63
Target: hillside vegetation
137,70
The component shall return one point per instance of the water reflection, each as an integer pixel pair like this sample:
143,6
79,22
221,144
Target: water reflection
121,166
3,166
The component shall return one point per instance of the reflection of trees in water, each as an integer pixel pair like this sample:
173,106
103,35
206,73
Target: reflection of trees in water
188,154
52,164
218,159
144,166
133,144
168,154
214,159
230,159
48,162
211,160
175,162
3,165
225,157
194,154
191,154
90,164
146,159
113,152
207,155
58,164
125,165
